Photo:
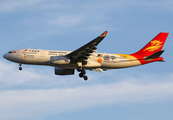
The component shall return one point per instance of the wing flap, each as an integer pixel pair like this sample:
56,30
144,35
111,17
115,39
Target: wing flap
97,69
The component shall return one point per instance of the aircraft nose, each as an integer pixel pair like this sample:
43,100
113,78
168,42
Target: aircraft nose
5,56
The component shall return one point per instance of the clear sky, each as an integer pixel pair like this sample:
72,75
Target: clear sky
35,93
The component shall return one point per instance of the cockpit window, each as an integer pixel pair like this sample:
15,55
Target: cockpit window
10,52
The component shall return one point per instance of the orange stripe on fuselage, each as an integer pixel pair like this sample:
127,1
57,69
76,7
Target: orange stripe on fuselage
130,58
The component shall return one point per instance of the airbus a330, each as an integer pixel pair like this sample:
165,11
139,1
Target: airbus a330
87,58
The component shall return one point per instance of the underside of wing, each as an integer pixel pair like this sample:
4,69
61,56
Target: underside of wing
83,53
97,69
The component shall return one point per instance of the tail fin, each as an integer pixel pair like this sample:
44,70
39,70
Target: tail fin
155,45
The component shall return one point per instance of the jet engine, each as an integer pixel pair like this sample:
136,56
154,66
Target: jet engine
59,60
63,71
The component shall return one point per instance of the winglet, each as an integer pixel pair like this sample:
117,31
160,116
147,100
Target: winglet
104,34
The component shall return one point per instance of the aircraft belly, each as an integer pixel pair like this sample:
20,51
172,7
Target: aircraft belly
120,65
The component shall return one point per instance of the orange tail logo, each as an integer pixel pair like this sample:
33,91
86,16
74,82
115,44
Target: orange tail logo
155,45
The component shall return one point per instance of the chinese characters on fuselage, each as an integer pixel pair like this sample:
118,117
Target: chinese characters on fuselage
107,58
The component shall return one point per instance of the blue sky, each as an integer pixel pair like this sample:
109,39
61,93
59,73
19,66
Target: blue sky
143,92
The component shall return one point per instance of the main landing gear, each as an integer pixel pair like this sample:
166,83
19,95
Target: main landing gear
82,73
20,68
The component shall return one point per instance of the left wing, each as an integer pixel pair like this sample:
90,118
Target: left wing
85,51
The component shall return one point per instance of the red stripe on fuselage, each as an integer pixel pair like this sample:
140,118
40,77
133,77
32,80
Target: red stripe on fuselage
143,61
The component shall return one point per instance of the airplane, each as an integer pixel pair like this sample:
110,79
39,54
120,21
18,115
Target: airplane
87,58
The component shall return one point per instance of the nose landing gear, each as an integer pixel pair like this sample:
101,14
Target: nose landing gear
20,68
82,73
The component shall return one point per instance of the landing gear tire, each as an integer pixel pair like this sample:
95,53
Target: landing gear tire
20,68
85,78
83,72
81,75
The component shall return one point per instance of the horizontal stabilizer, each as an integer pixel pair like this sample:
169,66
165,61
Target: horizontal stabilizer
155,55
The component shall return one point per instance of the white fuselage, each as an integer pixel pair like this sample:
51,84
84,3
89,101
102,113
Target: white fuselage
96,60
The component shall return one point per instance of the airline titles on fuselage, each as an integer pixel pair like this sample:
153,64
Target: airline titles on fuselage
31,51
57,53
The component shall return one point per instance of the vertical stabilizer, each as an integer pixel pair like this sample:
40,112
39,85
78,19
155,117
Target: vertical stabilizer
155,45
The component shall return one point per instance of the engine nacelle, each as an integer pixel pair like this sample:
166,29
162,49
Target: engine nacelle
63,71
59,60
